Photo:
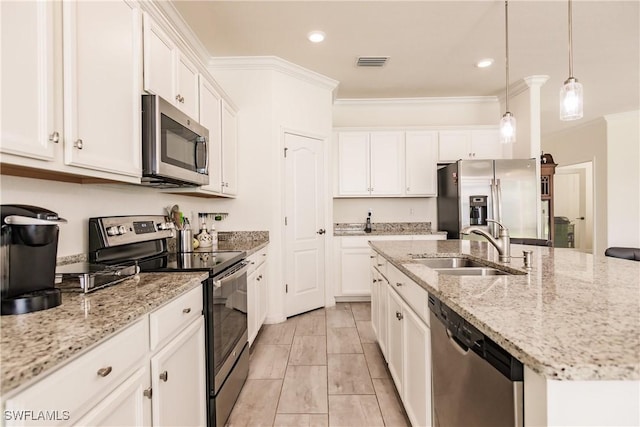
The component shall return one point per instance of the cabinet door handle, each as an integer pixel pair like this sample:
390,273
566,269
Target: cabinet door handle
164,376
375,280
54,137
147,392
371,256
187,310
103,372
398,284
399,315
321,231
380,265
79,144
178,97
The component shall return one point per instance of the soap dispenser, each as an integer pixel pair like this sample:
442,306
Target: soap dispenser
367,226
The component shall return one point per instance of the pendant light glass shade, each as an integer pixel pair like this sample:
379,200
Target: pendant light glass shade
508,128
508,121
571,98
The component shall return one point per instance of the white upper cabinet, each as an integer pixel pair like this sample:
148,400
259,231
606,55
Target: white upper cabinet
211,118
472,144
486,144
187,86
168,72
102,68
370,163
421,168
353,164
229,150
29,106
387,159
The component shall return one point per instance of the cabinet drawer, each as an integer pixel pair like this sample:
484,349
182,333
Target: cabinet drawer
77,386
256,259
170,319
378,262
414,295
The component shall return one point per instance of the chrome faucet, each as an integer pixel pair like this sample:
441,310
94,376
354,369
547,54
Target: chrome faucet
502,243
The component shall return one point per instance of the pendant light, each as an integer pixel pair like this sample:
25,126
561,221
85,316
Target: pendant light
508,121
571,91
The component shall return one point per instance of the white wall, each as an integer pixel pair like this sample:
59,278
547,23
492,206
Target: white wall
462,111
78,202
418,209
623,184
272,97
613,143
586,143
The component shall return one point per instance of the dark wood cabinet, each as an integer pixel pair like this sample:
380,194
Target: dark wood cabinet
547,170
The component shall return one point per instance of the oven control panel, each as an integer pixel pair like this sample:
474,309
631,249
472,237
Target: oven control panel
111,231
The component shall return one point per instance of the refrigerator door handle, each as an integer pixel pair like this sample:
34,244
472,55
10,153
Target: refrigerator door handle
493,227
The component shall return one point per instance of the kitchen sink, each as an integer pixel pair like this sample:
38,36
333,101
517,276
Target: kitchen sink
448,262
472,271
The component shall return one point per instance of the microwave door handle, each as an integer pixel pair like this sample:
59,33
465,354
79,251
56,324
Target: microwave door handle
201,140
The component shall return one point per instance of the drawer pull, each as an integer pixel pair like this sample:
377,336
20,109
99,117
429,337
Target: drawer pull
398,284
372,256
147,392
380,265
399,315
164,376
103,372
186,310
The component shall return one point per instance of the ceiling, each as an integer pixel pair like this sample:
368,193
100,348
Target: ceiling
433,46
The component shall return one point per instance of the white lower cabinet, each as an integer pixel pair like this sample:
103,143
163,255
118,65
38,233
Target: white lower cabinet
178,379
395,339
125,406
416,362
404,338
121,382
257,293
352,256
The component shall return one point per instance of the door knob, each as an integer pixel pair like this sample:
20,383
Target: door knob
321,231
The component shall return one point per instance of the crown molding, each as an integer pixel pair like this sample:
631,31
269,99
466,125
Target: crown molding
419,100
523,85
175,19
272,63
627,115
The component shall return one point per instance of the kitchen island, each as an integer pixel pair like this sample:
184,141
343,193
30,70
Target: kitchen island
573,321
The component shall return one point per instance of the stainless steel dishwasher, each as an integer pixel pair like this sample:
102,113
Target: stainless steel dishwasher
475,381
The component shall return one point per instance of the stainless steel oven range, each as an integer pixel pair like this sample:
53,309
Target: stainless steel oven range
144,240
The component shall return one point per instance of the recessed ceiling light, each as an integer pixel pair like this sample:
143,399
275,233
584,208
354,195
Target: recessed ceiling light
484,63
316,36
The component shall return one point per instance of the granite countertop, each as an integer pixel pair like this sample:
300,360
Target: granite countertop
576,316
248,241
36,342
385,229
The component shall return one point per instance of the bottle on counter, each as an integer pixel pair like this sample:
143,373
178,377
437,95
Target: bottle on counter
367,226
214,236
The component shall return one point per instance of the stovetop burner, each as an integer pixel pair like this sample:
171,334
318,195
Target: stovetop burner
215,262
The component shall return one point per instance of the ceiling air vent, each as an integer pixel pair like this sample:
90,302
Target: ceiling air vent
372,61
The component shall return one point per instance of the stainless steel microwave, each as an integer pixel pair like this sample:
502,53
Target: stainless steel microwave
175,151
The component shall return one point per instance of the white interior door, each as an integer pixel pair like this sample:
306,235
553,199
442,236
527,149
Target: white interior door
305,224
570,201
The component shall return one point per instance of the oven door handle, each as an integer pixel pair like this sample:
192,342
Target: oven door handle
245,266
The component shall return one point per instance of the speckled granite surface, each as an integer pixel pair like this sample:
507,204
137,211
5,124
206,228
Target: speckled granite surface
383,228
574,317
35,342
248,241
71,259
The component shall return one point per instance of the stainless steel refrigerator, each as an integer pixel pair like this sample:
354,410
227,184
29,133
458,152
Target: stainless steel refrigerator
471,191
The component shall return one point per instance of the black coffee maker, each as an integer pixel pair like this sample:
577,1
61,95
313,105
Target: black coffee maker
28,249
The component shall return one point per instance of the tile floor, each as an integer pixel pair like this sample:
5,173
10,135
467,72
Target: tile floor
321,368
